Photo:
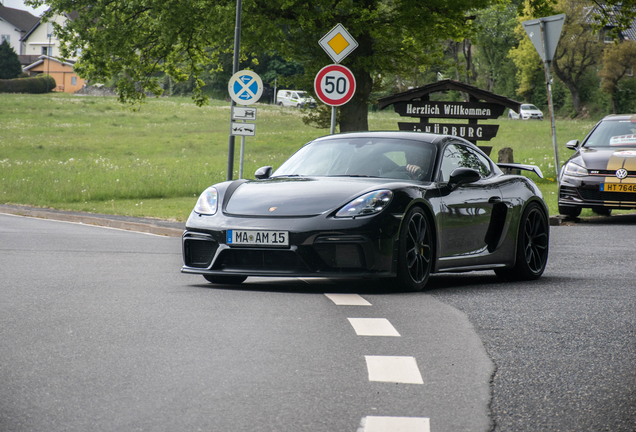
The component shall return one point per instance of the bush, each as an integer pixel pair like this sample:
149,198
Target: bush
625,96
39,84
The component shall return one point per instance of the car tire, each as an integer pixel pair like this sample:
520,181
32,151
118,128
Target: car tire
602,211
532,246
415,259
225,280
570,211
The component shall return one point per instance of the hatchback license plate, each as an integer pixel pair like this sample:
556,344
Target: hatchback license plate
258,238
618,187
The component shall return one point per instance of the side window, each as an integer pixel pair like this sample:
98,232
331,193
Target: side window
450,161
456,156
478,162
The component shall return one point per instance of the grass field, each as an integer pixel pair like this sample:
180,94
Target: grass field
90,154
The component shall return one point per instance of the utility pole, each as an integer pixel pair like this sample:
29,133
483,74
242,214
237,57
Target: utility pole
235,68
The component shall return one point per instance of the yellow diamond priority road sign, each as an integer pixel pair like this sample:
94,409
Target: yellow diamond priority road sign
338,43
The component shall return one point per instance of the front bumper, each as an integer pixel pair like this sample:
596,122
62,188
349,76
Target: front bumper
364,248
586,192
532,117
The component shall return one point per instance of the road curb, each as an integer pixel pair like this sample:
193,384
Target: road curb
145,225
557,220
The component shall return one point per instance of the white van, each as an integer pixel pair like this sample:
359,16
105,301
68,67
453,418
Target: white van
294,98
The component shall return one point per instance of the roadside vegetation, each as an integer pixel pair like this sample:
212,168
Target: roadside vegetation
91,154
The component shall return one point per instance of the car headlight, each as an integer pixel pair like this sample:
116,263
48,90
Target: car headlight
367,204
207,202
574,170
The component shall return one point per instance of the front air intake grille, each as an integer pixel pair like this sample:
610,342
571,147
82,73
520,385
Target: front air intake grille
597,195
264,260
199,253
341,256
568,192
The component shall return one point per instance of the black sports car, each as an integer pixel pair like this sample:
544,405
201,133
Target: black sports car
398,205
601,175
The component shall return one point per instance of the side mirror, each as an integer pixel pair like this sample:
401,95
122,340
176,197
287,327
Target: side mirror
572,145
461,176
263,172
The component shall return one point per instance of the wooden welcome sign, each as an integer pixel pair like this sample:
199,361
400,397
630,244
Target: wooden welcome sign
416,103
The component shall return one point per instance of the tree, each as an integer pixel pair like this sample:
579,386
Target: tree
9,63
141,38
494,39
524,55
578,50
619,14
619,59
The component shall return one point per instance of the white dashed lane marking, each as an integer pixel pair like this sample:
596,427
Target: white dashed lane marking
390,369
348,300
394,424
373,327
393,369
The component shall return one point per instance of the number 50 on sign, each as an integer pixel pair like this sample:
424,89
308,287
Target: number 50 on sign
335,85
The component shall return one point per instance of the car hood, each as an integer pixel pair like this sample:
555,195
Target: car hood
609,158
285,197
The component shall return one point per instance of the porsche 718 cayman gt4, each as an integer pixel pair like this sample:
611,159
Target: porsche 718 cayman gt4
394,205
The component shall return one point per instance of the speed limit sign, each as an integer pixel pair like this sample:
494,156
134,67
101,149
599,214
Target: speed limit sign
335,85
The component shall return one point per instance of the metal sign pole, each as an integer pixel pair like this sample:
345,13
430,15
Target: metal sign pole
546,66
333,120
237,46
242,153
545,41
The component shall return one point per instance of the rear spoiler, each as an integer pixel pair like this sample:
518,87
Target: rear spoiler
535,169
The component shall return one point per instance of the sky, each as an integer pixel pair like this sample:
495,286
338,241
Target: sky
19,4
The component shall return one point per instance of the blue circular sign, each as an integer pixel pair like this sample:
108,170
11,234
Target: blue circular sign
245,87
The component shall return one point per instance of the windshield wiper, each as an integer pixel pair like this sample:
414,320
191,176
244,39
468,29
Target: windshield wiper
353,175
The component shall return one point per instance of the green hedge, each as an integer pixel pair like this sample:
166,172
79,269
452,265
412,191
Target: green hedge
33,85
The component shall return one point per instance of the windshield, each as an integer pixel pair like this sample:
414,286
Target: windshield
613,134
362,157
302,95
529,107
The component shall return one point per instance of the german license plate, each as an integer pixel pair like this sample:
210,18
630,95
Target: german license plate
618,187
258,238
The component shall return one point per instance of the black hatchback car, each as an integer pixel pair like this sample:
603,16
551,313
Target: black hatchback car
601,175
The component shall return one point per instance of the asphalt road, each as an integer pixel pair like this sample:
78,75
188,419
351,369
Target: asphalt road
100,331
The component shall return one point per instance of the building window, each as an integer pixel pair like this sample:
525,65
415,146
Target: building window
49,30
73,80
5,38
48,51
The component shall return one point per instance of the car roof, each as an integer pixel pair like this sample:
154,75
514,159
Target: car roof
620,117
430,138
